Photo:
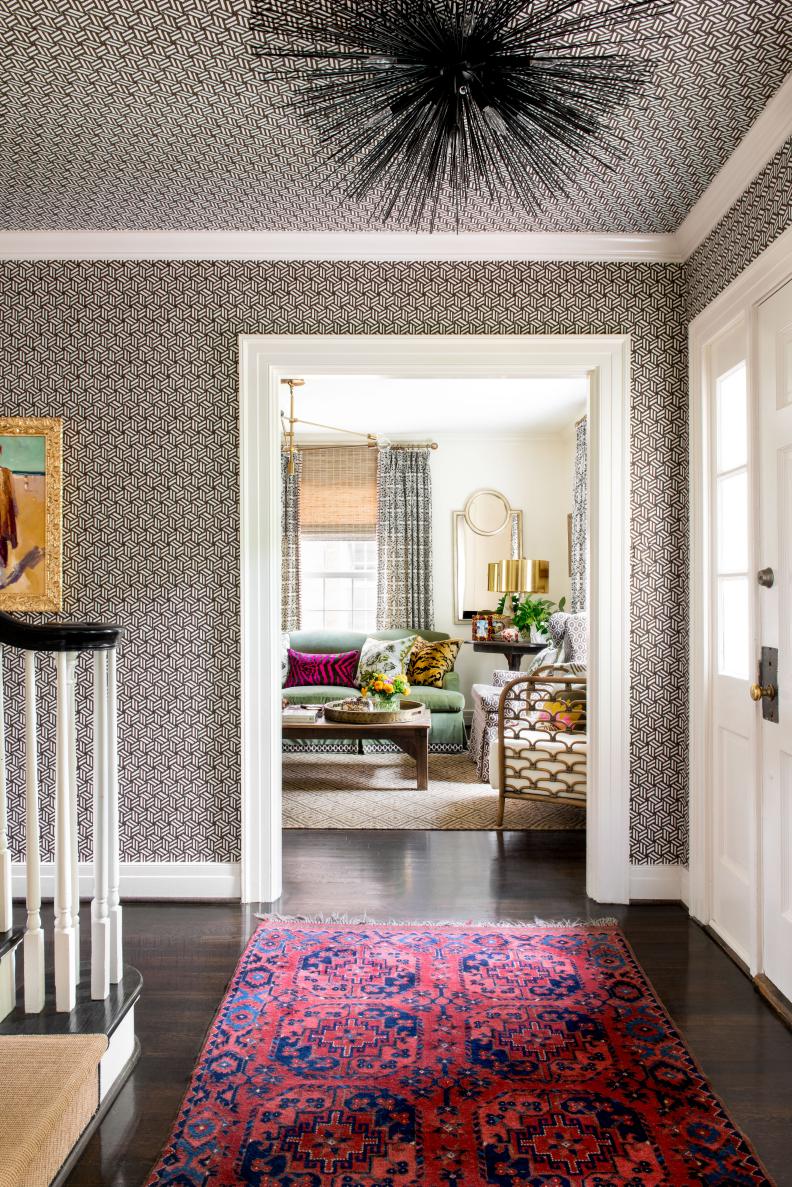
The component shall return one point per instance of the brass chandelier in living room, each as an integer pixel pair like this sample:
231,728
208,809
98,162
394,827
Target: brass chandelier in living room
434,102
289,428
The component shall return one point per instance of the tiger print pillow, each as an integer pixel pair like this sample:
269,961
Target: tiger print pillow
430,662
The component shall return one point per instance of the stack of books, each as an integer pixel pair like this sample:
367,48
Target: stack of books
302,714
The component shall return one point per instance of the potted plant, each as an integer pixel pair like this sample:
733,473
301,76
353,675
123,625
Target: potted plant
532,614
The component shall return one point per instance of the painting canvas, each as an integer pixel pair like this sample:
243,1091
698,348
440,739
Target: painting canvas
30,513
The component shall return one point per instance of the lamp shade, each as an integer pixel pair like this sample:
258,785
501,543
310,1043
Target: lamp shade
518,576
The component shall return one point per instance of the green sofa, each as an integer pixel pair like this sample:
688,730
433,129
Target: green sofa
445,704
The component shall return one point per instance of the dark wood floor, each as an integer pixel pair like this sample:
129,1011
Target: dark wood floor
187,953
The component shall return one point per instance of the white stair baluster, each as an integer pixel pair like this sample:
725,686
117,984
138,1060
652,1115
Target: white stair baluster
74,872
116,942
7,963
65,983
100,921
5,855
33,947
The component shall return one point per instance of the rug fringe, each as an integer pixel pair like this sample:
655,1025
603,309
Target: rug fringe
336,918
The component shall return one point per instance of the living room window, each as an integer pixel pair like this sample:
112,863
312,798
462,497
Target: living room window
339,584
338,538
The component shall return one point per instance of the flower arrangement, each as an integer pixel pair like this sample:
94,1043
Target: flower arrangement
385,688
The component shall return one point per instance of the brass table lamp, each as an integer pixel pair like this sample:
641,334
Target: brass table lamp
518,576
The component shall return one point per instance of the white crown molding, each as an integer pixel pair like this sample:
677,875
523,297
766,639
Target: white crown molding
759,145
148,879
365,246
764,138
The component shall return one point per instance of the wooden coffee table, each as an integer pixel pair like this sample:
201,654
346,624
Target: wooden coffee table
411,736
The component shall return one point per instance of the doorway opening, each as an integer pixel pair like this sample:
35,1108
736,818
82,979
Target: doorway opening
589,365
434,536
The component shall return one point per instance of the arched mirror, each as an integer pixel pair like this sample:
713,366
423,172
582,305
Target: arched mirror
488,529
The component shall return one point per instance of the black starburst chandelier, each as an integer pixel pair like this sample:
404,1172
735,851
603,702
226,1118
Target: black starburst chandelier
427,103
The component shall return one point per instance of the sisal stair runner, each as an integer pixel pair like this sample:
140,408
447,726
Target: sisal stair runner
49,1090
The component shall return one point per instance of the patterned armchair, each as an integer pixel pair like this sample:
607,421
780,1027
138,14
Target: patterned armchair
540,751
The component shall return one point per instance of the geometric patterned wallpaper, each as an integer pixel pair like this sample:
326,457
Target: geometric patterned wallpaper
143,114
140,359
758,217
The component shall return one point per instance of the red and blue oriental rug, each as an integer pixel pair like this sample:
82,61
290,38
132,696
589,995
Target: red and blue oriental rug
434,1056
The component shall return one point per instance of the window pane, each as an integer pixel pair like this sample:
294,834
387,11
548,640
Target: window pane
338,593
338,620
733,523
312,555
733,626
732,419
339,556
365,595
339,583
312,591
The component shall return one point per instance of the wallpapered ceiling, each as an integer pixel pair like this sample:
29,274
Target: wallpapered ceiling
139,114
141,360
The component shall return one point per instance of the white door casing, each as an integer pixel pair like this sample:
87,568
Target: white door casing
774,399
605,359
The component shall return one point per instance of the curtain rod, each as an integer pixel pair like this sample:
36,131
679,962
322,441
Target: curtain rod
370,445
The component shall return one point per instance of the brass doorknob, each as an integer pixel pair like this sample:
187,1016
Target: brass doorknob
758,691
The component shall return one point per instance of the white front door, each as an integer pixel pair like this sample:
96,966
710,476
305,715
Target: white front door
733,759
774,394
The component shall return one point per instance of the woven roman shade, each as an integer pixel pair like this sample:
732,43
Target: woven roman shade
338,493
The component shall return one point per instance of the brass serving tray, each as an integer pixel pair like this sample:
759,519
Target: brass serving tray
408,710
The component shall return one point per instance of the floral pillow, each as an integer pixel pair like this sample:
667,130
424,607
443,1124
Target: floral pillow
565,706
430,662
388,656
561,715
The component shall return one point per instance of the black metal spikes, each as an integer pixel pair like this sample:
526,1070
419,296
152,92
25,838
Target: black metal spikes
425,101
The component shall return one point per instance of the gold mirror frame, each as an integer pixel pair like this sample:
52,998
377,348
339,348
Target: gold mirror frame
514,528
493,494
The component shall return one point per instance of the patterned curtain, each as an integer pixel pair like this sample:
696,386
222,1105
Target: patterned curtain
404,539
580,520
290,544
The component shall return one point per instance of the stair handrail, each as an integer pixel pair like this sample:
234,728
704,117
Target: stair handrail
58,636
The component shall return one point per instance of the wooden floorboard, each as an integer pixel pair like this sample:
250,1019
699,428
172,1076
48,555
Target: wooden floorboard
187,953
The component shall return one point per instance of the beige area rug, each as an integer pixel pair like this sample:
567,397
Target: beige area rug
378,791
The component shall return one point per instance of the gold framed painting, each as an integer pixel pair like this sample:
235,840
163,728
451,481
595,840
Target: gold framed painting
31,481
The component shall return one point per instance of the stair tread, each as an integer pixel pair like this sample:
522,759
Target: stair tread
88,1016
49,1089
9,940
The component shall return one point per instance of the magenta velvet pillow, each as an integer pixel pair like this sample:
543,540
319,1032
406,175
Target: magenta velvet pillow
305,668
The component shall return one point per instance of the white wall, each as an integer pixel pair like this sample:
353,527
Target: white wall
536,476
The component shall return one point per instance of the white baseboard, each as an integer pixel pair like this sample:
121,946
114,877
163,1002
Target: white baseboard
664,882
148,879
684,885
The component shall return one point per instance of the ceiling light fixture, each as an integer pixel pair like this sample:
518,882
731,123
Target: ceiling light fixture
425,102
